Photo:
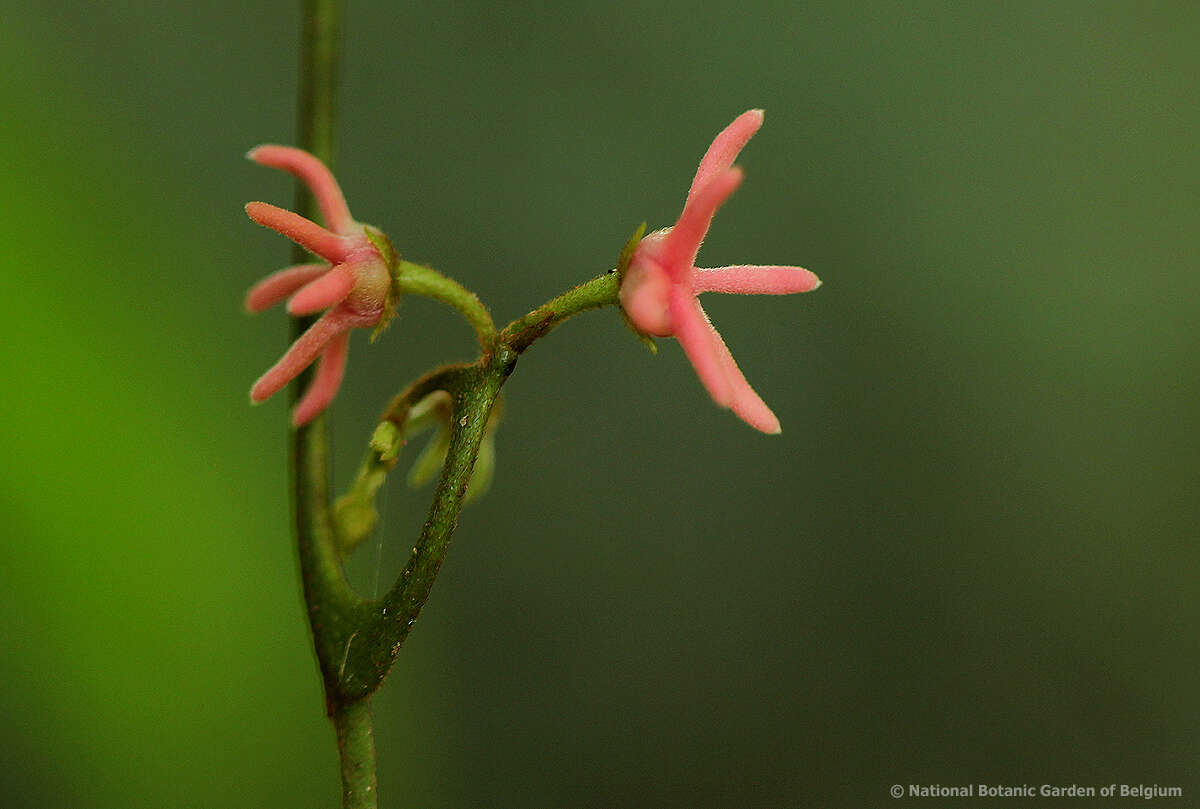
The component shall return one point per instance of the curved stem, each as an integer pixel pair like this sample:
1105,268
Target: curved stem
523,332
382,626
472,407
415,279
355,512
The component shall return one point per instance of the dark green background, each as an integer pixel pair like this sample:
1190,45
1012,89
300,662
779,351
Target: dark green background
970,557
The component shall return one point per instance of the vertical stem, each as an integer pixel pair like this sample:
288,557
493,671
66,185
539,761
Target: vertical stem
320,567
318,79
356,745
324,583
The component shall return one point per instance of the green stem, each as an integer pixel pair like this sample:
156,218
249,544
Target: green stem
355,513
415,279
326,591
521,333
382,626
319,57
472,406
356,744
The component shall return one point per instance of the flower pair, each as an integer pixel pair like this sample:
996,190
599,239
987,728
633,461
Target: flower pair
353,283
660,284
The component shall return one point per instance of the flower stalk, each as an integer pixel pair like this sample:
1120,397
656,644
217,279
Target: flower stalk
415,279
524,331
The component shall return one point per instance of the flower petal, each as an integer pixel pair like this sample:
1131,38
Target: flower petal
324,292
695,333
324,386
746,404
725,148
315,175
304,351
645,296
307,234
278,285
716,367
753,279
679,248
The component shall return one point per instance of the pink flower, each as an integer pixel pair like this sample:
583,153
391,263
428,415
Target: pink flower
659,288
354,285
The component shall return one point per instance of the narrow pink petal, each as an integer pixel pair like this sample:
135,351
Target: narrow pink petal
307,234
753,279
745,403
324,292
681,244
725,148
315,175
303,352
696,334
751,409
278,285
326,381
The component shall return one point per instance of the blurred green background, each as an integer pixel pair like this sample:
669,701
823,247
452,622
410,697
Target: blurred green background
971,556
